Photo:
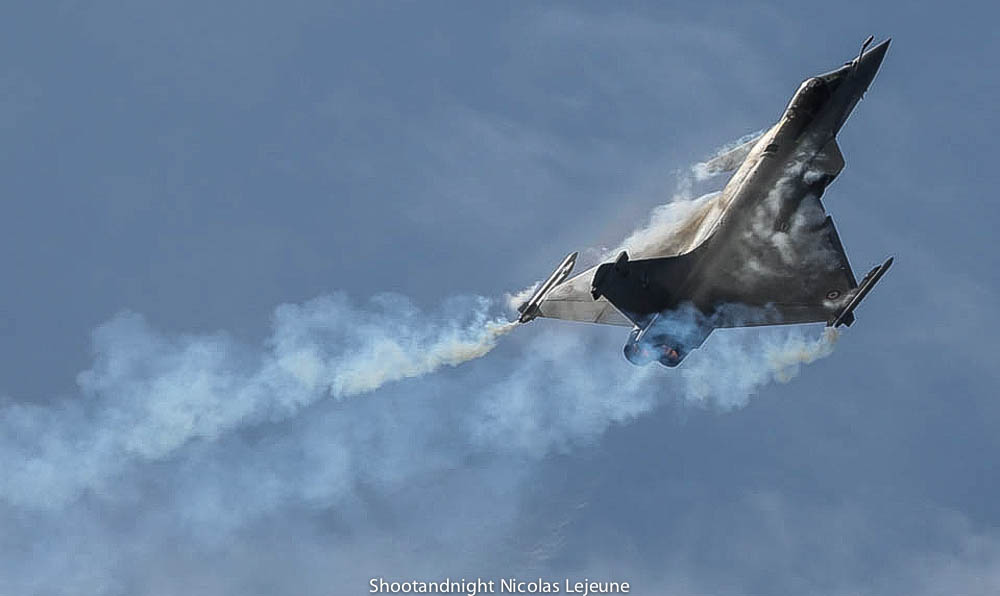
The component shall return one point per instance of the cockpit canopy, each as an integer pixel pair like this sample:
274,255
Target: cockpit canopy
810,98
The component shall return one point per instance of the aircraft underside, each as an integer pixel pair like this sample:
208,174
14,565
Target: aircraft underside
761,252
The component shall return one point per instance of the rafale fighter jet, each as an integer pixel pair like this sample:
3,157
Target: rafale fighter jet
760,252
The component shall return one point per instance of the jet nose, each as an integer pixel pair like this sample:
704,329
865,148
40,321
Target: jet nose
870,61
874,56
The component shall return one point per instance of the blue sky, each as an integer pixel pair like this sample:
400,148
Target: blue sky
175,172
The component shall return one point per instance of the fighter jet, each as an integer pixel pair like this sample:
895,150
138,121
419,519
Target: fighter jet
762,251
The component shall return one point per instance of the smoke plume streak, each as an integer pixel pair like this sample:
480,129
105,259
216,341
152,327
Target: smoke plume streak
147,395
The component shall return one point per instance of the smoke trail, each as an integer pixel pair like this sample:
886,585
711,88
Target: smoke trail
391,360
787,360
148,395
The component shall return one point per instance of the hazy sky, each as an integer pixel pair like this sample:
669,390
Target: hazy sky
176,172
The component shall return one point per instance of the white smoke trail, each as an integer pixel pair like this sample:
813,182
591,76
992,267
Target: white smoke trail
390,360
734,364
788,359
148,395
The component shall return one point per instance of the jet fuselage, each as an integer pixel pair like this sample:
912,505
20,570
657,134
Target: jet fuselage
762,251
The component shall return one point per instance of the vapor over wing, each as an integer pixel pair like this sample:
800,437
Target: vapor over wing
795,269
